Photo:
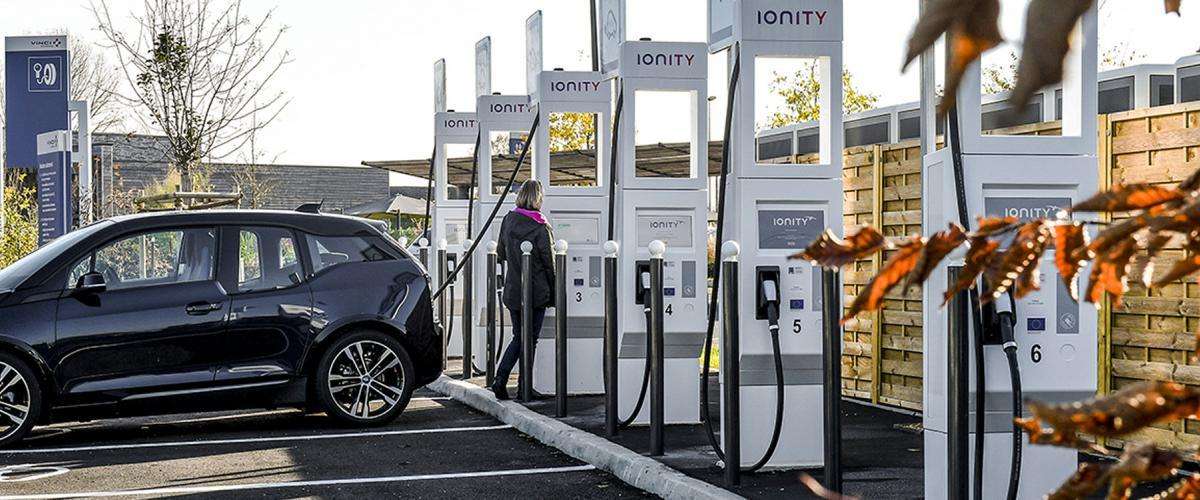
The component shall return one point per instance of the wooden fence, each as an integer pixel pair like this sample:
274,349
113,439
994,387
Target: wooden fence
1149,337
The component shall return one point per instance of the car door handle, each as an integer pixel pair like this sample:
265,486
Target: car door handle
202,308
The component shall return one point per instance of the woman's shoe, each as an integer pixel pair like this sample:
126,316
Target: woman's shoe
500,391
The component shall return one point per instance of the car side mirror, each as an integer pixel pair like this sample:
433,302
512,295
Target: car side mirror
91,283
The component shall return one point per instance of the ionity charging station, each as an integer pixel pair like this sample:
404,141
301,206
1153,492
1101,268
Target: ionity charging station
576,204
449,212
668,207
503,122
1053,336
772,211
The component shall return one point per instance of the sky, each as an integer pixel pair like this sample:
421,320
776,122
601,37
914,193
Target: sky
361,81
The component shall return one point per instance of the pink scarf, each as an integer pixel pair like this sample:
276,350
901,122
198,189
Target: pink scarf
532,214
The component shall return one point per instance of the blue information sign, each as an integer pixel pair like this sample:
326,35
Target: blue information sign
53,186
36,89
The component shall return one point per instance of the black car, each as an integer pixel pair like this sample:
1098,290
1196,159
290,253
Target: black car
214,310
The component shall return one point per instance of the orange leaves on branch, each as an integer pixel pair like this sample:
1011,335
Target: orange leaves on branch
1114,415
1018,270
1110,271
1124,198
937,248
1068,239
978,257
1086,480
894,270
831,251
1172,6
972,27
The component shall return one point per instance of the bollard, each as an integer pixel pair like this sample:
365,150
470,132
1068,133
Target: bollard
611,346
655,357
403,241
560,330
490,368
468,303
526,377
731,434
423,252
831,314
958,465
441,270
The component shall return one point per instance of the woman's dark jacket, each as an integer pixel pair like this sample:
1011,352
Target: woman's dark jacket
515,229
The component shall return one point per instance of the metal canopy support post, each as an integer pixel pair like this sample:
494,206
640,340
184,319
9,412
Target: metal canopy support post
468,355
731,433
831,318
656,356
958,470
560,330
490,370
611,346
527,340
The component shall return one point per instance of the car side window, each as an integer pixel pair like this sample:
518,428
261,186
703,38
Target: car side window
267,259
329,251
152,258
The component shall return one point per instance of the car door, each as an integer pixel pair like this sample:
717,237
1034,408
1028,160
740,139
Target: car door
156,324
270,319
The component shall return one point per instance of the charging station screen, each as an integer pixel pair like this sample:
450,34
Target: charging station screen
1066,309
789,229
581,230
674,230
456,232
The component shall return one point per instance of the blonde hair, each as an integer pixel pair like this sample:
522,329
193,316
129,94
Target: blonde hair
530,195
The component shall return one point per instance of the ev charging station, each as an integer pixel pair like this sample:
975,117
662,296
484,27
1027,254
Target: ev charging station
774,210
1055,336
651,207
577,208
449,213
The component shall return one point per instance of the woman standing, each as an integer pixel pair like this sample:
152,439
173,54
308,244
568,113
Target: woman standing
524,223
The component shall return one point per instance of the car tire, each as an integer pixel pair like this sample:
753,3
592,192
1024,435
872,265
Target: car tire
20,399
365,378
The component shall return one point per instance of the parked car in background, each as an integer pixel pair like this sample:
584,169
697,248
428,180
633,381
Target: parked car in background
214,310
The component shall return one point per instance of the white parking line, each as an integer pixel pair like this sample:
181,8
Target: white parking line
183,490
307,437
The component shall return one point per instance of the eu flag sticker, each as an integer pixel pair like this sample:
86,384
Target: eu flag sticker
797,304
1036,324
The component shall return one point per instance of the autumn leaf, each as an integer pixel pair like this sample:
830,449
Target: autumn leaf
1085,481
1068,238
1128,410
1172,6
1109,273
1183,267
1124,198
1145,262
1018,264
991,226
1142,462
971,26
831,251
1048,27
1112,236
895,269
978,257
936,248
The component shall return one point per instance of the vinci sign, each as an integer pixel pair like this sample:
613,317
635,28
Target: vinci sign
36,89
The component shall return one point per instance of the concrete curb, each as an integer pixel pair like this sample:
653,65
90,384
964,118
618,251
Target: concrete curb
641,472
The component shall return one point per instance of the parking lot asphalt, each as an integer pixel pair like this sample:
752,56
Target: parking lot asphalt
436,448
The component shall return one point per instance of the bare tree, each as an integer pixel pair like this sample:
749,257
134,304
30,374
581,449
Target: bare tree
250,176
201,70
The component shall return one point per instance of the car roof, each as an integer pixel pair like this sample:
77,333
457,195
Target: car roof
318,223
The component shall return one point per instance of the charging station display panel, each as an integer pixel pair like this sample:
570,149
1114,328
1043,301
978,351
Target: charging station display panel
577,230
456,231
574,132
778,104
666,118
505,149
673,229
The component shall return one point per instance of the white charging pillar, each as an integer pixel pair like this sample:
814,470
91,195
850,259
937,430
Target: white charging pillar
576,204
774,210
1025,177
667,205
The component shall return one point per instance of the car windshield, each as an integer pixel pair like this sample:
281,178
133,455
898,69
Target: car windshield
19,271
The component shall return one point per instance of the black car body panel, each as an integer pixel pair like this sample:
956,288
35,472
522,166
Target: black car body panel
205,344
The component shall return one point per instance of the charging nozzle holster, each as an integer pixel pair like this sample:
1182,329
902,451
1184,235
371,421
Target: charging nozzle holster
766,296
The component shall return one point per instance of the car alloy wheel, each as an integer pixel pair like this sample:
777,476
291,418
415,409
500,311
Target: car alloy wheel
366,379
15,400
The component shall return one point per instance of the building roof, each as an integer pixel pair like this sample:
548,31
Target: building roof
565,167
